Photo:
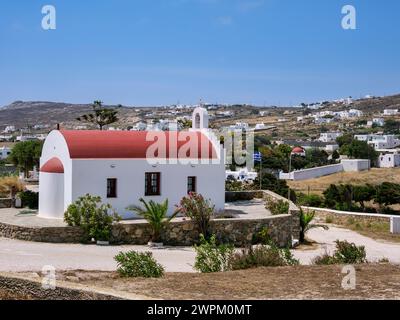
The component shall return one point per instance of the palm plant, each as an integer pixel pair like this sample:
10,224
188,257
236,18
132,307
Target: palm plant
101,116
305,224
155,214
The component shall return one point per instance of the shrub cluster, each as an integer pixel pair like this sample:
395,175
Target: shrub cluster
277,207
138,264
29,199
345,253
94,217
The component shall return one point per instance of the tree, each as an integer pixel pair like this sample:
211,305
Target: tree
387,193
335,155
155,214
100,116
270,182
391,126
25,155
345,139
359,150
305,224
362,194
331,196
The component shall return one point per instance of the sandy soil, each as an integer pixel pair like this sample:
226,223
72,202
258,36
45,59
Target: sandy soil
374,281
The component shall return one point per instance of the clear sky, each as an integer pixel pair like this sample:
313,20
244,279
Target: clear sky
153,52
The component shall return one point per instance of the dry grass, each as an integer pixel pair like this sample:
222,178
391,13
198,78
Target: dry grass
374,281
374,176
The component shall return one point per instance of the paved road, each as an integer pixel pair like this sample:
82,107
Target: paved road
376,250
16,255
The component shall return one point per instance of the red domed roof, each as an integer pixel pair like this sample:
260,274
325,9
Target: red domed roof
298,150
54,165
96,144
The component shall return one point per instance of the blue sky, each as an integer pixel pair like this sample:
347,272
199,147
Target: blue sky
153,52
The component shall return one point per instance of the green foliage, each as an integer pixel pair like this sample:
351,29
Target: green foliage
233,185
262,237
212,257
391,126
138,264
311,200
362,194
359,150
92,216
156,215
29,199
277,207
305,224
344,139
387,193
345,253
25,155
270,182
100,116
262,256
200,210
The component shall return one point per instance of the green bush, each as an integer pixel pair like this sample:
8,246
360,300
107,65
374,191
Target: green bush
262,256
212,257
312,200
345,253
277,207
262,237
138,264
92,216
29,199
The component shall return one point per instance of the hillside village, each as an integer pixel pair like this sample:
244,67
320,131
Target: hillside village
83,174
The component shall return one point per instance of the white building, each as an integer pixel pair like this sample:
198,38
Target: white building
123,166
390,160
4,152
379,141
242,174
380,122
9,129
329,136
390,112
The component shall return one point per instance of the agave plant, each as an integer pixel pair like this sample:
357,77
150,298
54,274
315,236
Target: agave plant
305,224
155,214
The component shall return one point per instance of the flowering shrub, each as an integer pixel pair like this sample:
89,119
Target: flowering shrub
200,210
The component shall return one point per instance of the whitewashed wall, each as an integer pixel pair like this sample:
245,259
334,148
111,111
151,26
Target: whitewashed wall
90,176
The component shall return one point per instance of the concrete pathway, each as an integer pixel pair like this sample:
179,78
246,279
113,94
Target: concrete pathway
16,255
251,209
376,250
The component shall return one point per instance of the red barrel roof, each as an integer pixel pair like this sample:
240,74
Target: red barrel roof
298,150
54,165
96,144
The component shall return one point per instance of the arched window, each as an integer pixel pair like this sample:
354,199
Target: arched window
197,121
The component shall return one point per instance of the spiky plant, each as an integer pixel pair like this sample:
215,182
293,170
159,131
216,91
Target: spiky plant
305,224
155,214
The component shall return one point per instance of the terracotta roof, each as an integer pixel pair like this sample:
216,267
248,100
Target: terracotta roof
298,150
54,165
96,144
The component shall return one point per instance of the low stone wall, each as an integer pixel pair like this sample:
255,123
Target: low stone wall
5,203
343,216
49,234
30,289
239,232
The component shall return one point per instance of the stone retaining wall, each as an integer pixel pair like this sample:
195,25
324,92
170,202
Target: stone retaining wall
343,216
30,289
49,234
5,203
239,232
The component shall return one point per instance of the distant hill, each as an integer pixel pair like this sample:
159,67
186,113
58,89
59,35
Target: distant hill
29,113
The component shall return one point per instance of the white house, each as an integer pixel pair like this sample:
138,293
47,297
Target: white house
390,160
123,166
390,112
329,136
380,122
379,141
4,152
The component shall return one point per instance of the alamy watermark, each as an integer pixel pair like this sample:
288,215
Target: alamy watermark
349,21
49,20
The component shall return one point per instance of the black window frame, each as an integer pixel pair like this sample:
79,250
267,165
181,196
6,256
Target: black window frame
191,184
112,188
151,190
